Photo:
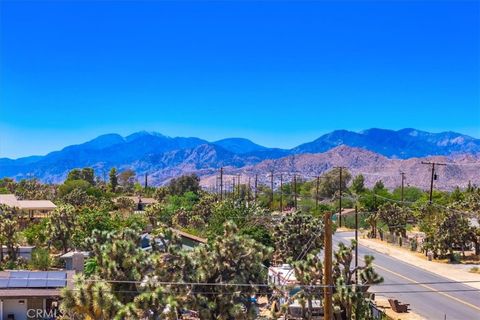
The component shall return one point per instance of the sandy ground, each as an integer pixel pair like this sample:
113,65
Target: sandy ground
382,303
449,271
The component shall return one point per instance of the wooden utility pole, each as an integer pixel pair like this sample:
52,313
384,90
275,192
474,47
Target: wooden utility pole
434,175
403,185
316,192
281,193
146,181
356,244
233,187
271,187
221,183
238,186
340,198
327,290
249,192
295,191
256,186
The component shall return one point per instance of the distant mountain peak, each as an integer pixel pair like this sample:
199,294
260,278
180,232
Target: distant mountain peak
165,157
239,145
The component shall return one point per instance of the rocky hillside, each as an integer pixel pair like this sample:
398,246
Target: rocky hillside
376,152
460,169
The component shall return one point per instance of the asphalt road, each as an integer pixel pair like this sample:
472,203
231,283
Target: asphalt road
451,301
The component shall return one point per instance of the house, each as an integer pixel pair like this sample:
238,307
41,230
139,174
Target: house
142,203
31,294
31,208
24,252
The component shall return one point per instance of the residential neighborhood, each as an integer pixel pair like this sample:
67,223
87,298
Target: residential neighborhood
239,160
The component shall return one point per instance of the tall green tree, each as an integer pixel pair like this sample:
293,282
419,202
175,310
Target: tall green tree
88,175
186,183
330,182
113,180
358,184
127,179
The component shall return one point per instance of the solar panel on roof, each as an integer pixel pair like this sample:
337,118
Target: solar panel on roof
34,279
18,279
3,283
37,279
56,279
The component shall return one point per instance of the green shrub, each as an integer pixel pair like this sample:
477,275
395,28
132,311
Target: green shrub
40,259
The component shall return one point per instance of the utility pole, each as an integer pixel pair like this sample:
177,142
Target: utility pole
356,244
281,192
238,186
327,290
403,185
146,181
434,175
249,192
256,185
221,183
295,191
233,187
340,198
271,187
316,192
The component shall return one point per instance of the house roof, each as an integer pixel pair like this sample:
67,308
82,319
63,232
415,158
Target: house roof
9,200
189,236
25,283
37,204
24,293
144,200
12,201
70,254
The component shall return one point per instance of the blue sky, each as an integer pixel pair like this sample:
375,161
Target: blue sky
279,73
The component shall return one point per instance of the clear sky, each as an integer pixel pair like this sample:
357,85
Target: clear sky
279,73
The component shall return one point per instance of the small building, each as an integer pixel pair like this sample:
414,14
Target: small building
284,277
189,241
31,294
75,260
31,208
24,252
142,203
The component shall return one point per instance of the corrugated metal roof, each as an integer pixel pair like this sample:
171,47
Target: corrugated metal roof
36,204
12,201
9,200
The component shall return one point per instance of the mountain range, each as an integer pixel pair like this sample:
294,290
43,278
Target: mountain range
163,157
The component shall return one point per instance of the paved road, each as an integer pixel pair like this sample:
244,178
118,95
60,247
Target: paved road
434,302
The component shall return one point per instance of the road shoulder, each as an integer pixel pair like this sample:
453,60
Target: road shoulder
451,272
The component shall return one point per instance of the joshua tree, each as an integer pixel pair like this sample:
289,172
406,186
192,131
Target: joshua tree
9,227
372,220
350,295
118,256
91,299
297,236
61,226
231,259
395,217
